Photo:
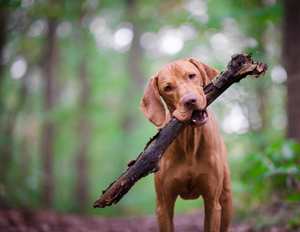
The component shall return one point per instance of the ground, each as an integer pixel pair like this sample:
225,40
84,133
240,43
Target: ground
46,221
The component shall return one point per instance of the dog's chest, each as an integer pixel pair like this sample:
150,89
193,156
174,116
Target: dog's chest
190,160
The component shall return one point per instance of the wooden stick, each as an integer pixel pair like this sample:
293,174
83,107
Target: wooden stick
238,68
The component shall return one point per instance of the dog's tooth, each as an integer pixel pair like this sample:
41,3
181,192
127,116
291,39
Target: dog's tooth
194,120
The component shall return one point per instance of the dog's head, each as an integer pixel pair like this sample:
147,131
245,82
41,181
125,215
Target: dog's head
180,84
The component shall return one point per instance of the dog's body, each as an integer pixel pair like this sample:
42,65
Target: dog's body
195,164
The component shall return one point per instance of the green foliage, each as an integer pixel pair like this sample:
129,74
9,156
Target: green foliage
270,185
294,223
271,171
12,4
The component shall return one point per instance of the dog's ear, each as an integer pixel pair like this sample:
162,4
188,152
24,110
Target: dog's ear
151,104
209,72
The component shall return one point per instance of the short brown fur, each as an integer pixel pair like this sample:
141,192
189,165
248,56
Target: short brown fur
196,162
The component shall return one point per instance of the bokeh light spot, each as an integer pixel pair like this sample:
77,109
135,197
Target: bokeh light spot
68,95
171,44
236,122
64,29
18,68
278,74
148,40
27,3
37,28
219,41
122,39
279,121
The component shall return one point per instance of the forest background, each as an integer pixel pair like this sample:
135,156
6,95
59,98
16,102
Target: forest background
72,74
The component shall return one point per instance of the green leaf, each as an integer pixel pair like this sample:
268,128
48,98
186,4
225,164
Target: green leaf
293,198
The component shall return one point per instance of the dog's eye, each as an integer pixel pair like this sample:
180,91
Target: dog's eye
192,76
168,88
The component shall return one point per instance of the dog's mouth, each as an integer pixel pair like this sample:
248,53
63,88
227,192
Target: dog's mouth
200,120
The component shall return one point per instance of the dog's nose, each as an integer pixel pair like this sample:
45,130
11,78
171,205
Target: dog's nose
190,100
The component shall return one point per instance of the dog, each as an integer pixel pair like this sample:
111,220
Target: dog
195,164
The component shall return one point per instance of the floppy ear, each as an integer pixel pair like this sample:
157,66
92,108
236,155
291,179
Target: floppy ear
210,73
151,104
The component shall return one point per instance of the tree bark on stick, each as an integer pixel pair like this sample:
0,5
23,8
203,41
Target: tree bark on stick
238,68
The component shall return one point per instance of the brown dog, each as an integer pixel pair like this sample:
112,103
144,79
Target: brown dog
196,162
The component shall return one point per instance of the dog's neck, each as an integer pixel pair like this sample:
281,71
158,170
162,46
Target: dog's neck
191,139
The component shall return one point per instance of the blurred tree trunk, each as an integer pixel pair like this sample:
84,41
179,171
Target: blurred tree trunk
8,120
5,125
291,57
135,55
48,127
3,15
4,133
84,131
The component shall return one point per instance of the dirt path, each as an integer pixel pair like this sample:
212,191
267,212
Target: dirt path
27,221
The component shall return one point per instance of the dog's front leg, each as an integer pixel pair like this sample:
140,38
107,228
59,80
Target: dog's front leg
165,214
212,216
165,202
226,201
212,206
